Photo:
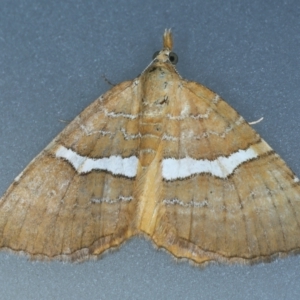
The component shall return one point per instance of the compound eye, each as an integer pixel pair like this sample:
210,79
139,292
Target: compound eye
173,58
155,54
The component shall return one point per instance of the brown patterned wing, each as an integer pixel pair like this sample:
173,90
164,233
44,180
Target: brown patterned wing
75,199
227,196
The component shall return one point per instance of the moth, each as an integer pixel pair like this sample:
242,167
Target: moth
162,157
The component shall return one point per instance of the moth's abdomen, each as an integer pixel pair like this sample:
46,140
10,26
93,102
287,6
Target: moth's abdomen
150,129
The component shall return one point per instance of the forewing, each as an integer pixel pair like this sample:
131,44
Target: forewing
66,206
227,196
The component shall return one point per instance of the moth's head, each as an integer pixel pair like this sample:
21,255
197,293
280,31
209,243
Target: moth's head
166,57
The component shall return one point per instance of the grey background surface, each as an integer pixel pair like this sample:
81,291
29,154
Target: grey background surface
52,56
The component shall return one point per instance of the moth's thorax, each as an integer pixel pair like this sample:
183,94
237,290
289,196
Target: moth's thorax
157,86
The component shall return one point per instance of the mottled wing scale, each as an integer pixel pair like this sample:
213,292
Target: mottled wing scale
53,211
160,156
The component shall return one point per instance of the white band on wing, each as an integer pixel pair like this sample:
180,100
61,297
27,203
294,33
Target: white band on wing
115,164
173,169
